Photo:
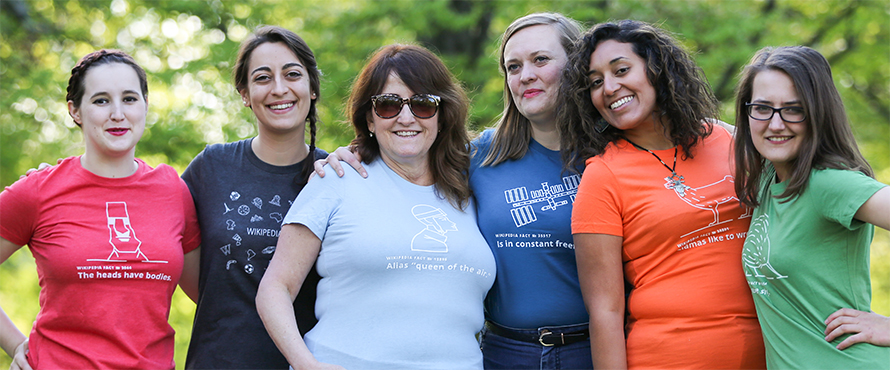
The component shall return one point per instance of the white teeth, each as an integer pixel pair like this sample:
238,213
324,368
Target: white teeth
621,102
281,106
406,133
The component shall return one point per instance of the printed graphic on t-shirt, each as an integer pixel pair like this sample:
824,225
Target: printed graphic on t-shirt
714,197
431,239
756,254
524,200
255,218
125,245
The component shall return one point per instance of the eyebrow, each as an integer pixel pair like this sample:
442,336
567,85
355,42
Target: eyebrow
787,103
285,66
611,62
126,92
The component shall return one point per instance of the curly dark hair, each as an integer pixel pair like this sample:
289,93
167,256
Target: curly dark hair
76,87
423,72
682,92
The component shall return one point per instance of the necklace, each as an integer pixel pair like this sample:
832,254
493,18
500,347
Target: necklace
674,182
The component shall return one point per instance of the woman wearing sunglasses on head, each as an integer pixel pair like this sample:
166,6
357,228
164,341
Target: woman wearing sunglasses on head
656,207
404,270
806,256
241,191
110,235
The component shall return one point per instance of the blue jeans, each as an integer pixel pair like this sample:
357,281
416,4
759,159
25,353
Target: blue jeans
504,353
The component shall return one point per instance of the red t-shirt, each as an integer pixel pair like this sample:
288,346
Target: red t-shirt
690,307
109,253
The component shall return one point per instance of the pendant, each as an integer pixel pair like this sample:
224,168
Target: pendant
675,183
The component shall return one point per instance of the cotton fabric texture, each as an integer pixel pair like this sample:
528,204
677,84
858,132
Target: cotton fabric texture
109,253
689,306
807,258
403,273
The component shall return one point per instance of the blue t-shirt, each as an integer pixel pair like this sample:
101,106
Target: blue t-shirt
524,209
403,273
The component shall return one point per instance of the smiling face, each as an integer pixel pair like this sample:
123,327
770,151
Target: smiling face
776,140
277,89
533,61
620,89
112,111
404,140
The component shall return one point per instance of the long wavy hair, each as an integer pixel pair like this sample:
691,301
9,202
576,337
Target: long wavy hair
76,86
298,46
514,131
424,73
683,95
828,142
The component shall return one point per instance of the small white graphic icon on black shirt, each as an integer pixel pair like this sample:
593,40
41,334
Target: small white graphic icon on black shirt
125,245
432,238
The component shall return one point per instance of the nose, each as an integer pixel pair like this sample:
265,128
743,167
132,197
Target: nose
279,87
610,85
776,123
405,116
528,74
117,112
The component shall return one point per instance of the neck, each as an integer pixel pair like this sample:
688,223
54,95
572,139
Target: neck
781,173
117,167
546,134
280,150
651,135
417,174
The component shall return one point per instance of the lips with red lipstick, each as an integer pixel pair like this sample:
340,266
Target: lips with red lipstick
117,131
530,93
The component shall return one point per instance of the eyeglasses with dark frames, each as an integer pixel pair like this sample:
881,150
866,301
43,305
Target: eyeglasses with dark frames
390,105
763,112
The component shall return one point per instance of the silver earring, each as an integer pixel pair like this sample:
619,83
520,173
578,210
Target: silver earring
372,133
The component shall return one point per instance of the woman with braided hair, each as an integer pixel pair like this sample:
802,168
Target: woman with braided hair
242,191
109,233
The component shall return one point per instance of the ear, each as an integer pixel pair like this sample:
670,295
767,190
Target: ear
370,121
74,112
313,96
245,98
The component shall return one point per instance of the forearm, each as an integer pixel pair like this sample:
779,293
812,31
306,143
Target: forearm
607,343
191,269
10,335
275,307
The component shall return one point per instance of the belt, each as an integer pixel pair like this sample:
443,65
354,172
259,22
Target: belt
545,336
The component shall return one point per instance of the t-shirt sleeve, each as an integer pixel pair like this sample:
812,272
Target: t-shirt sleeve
597,205
841,193
191,234
315,205
193,174
18,210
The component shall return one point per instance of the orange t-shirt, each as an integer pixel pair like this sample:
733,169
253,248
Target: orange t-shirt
690,307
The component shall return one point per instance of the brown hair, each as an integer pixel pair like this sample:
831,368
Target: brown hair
76,86
424,73
273,34
828,142
514,130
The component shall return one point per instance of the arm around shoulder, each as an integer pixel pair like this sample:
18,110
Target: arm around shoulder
600,271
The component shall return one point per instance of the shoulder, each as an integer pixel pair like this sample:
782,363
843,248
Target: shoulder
483,141
224,150
842,179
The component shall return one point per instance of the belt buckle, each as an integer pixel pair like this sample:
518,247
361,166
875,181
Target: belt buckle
545,333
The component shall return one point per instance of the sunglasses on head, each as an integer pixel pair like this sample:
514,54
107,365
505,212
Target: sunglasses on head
420,105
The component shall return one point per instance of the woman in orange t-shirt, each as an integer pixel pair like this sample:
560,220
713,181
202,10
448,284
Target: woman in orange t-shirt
656,208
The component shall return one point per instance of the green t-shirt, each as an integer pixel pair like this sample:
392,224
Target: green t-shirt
806,258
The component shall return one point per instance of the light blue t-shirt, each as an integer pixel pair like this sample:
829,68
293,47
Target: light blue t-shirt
524,209
403,273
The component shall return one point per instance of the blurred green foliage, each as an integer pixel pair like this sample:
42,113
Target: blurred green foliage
188,48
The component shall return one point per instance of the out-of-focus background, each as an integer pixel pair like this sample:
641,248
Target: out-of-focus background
188,49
